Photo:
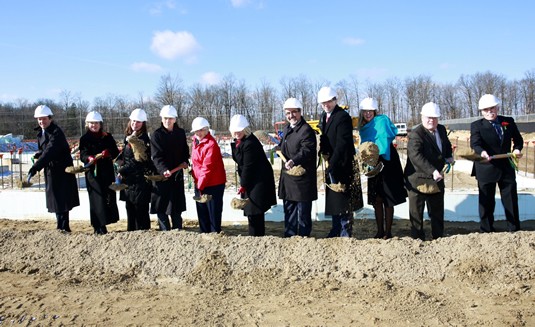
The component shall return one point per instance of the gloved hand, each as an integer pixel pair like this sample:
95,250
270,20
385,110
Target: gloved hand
106,154
241,190
37,155
32,171
91,158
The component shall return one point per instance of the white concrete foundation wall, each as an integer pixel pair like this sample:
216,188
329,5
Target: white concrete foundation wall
459,206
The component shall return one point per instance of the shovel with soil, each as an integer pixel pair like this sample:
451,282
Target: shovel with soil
117,186
24,184
295,170
162,178
470,154
82,169
369,159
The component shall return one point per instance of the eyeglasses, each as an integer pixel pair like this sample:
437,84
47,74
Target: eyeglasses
293,112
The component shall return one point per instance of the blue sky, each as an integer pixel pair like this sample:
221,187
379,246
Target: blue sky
124,47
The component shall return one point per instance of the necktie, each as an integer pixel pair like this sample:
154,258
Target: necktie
497,129
327,119
437,139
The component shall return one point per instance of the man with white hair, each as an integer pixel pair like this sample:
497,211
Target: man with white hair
428,150
489,136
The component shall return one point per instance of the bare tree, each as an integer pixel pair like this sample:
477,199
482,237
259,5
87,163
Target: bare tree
170,91
527,86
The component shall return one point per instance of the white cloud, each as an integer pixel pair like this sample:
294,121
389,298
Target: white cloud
211,78
158,6
171,45
146,67
239,3
371,73
353,41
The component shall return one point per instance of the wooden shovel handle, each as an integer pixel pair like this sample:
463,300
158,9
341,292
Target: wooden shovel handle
279,153
502,156
98,156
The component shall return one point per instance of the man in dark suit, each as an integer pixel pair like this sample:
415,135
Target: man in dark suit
429,149
336,145
298,146
489,136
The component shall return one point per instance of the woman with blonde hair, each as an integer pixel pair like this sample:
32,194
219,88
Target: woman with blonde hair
257,182
208,171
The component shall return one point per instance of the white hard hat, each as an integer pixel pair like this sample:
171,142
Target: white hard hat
292,103
138,115
238,123
326,94
199,123
168,112
430,109
488,101
93,116
42,111
368,104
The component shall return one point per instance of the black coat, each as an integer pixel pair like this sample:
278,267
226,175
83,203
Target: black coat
54,156
424,156
102,200
336,141
256,175
299,144
483,137
133,173
169,149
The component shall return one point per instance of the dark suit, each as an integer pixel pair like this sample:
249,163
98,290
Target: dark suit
483,137
299,145
337,142
424,157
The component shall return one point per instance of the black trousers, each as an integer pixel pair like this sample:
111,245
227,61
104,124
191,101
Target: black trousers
435,210
62,219
257,226
487,203
138,217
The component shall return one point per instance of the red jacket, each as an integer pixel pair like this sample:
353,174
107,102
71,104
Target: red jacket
207,162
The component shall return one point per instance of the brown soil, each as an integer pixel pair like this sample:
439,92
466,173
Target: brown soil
187,278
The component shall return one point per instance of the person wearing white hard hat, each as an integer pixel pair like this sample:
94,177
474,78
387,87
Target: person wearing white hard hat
170,154
102,201
386,189
54,156
209,174
428,151
256,175
133,170
298,146
489,136
336,147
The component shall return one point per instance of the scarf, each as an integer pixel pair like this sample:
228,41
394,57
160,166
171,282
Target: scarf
380,131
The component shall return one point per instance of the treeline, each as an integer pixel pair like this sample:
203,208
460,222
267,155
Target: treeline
400,99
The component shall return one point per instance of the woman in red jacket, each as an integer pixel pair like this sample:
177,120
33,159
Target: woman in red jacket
209,174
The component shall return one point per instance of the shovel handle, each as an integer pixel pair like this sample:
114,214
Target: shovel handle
98,156
279,153
502,156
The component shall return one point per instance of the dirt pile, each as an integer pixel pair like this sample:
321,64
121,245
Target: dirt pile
185,278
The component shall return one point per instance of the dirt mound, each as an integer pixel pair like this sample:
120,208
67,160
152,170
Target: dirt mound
187,278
